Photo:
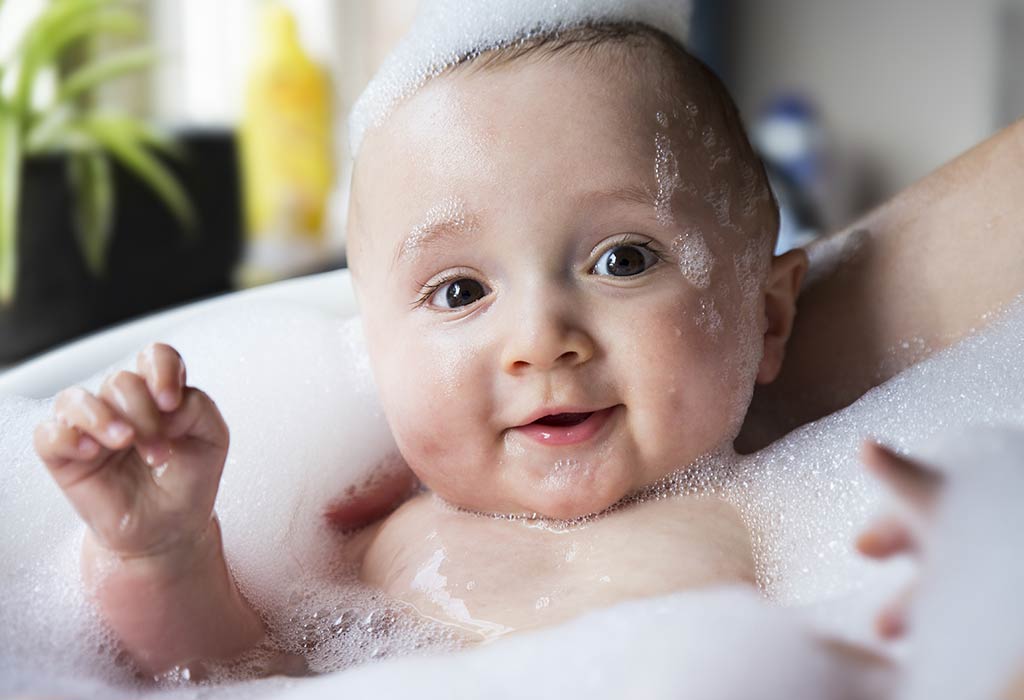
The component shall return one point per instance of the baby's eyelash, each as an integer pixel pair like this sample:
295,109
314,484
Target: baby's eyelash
427,289
627,239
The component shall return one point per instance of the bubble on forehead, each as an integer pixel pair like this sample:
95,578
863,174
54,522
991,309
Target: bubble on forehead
718,148
450,211
719,196
666,175
754,194
445,31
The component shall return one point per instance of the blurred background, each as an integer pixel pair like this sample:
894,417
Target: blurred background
848,102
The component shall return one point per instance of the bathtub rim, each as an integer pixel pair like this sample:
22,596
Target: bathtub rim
46,374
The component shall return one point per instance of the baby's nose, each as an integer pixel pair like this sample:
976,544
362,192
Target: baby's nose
545,343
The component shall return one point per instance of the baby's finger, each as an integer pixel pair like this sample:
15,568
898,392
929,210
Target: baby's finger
910,480
69,455
127,392
79,409
57,444
164,372
198,417
886,537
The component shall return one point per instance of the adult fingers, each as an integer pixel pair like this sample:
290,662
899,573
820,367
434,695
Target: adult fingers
912,481
891,622
886,537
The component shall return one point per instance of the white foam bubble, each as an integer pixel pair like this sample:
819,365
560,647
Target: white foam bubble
666,175
451,211
445,31
693,257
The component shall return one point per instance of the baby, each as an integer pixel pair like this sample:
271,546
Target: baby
562,253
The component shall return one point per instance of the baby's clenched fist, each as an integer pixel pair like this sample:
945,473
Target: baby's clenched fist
141,460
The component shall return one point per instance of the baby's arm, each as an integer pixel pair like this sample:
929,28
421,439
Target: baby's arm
141,463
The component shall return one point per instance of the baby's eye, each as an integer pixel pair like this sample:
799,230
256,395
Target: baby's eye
625,261
457,293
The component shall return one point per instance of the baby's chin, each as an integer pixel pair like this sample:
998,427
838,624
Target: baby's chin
563,495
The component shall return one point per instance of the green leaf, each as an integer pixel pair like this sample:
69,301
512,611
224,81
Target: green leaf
2,66
148,135
10,188
116,135
92,74
48,131
51,40
93,184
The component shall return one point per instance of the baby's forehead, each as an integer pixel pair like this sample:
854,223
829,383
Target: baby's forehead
567,107
562,126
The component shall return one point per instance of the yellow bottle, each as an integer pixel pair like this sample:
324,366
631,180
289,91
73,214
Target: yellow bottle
287,164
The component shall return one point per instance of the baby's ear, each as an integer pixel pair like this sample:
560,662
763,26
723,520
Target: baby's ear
781,290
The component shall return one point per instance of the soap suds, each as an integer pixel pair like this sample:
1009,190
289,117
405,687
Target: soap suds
693,257
446,31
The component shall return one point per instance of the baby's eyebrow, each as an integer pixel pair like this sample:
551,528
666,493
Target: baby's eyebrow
441,222
631,194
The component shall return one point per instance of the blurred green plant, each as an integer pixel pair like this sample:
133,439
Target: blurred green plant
89,137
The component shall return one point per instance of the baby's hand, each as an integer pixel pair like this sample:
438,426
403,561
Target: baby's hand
141,461
918,488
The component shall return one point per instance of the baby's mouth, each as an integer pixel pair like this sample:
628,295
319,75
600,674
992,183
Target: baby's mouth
566,428
562,420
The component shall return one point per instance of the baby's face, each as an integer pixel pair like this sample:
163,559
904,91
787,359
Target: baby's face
558,272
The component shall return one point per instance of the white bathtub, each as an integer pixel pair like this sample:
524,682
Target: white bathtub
50,372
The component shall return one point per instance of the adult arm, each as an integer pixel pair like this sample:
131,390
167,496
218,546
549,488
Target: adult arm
909,279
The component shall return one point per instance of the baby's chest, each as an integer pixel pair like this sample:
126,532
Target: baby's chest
492,577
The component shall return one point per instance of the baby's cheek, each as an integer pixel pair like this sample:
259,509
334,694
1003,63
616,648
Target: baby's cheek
695,395
429,415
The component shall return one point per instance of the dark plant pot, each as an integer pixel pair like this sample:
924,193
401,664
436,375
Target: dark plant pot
151,263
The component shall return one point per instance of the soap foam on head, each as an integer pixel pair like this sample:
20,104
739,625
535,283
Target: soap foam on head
444,32
666,175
